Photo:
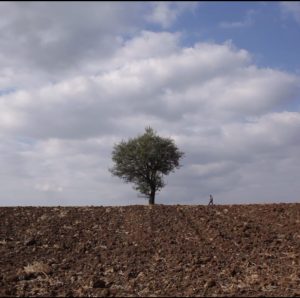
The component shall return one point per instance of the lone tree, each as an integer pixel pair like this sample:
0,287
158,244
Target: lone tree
144,160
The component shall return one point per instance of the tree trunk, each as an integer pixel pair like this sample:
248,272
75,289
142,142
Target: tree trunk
152,197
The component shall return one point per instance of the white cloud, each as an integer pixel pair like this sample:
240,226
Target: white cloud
166,13
246,22
58,41
148,45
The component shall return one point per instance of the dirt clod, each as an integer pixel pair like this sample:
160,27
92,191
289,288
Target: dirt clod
98,283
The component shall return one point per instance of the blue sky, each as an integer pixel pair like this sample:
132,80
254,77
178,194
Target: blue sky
271,35
220,78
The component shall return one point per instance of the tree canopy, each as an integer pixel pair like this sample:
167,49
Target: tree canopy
144,161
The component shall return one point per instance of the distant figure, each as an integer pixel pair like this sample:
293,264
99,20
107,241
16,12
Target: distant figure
211,200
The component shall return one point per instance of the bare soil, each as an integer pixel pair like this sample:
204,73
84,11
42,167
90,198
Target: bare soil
161,250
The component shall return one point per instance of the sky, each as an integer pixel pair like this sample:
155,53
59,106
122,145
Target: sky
222,79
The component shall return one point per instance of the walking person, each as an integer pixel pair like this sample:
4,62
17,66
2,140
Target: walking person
211,200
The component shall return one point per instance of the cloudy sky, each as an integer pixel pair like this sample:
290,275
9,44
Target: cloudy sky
222,79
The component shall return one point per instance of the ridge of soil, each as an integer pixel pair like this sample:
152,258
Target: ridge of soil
160,250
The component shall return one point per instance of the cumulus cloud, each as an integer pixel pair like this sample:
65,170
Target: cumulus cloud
55,41
205,81
229,116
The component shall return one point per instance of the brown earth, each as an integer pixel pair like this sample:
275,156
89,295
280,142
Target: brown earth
238,250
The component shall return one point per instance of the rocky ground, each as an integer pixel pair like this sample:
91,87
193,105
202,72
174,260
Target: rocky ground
163,250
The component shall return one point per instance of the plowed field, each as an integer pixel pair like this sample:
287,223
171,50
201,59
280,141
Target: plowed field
162,250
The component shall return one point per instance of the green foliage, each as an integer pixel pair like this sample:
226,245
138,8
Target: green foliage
144,160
